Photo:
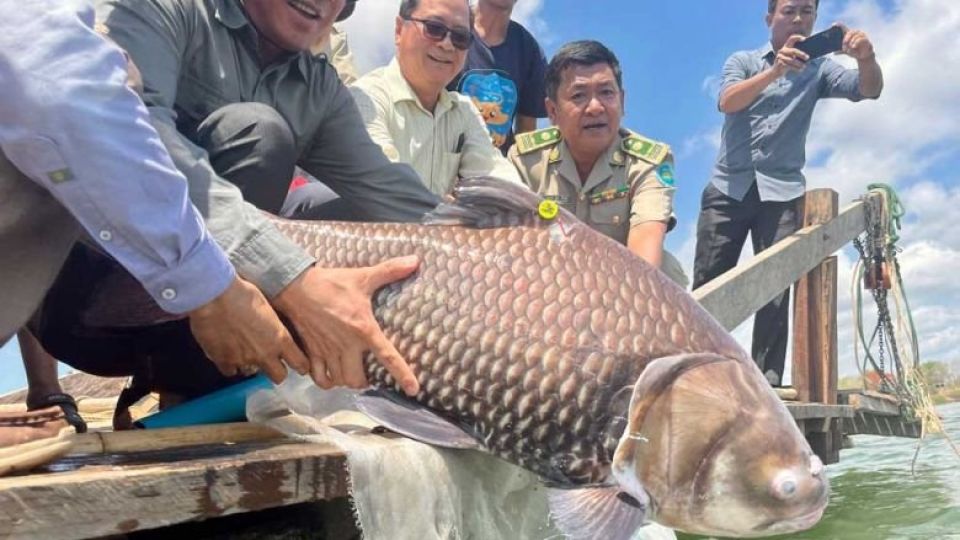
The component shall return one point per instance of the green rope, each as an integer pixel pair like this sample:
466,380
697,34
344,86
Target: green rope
895,211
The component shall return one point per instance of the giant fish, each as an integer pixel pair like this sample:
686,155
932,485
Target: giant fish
549,345
545,343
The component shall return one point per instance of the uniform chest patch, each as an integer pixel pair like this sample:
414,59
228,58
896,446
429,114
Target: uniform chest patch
609,195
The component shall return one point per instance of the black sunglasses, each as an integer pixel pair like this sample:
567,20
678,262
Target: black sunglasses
347,10
437,31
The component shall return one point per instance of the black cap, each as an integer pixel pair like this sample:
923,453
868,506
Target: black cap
347,10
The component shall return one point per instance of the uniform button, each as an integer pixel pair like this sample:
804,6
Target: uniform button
616,220
168,294
106,235
582,197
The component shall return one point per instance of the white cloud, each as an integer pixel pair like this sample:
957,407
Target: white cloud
903,133
370,32
370,29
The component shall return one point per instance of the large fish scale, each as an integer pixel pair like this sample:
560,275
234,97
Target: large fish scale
530,337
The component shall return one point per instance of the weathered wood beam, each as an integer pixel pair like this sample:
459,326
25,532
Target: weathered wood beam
141,440
105,495
871,403
742,291
815,312
818,411
886,426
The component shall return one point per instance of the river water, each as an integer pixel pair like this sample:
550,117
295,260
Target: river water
875,496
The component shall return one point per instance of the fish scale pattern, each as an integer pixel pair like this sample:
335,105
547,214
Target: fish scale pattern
530,337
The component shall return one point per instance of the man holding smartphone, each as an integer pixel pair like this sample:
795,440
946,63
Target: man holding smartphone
768,96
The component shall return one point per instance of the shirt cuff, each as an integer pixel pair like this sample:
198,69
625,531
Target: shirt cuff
271,261
201,277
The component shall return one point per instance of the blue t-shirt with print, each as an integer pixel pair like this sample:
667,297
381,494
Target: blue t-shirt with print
505,80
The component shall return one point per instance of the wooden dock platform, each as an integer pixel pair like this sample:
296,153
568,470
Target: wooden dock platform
116,483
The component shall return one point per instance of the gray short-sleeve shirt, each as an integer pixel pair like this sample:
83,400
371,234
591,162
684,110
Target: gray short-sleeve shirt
765,143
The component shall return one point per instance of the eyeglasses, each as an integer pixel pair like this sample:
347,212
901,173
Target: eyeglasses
437,31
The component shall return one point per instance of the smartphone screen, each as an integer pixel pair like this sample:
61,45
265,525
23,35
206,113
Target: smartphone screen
826,42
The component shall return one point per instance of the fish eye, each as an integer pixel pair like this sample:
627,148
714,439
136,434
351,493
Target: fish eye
788,488
785,486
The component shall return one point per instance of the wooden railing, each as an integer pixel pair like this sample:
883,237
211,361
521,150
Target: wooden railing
805,261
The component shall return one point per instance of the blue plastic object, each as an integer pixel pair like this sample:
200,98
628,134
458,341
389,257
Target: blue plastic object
225,405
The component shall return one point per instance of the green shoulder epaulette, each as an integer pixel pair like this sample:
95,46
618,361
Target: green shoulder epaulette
646,149
535,140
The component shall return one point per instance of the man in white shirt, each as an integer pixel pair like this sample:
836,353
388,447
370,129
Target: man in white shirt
410,114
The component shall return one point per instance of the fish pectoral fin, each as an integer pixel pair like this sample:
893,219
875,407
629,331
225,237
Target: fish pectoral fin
414,421
485,202
597,512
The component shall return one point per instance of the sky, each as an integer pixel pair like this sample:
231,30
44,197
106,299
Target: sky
672,53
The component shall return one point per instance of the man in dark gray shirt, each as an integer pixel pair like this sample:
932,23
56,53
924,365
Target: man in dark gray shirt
238,100
768,96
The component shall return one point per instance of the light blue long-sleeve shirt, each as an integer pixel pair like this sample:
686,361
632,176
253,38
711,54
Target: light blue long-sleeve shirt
69,123
765,143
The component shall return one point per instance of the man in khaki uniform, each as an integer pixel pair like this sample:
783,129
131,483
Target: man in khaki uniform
612,179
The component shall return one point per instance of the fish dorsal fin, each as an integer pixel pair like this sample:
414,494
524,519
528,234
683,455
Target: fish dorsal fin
414,421
485,203
597,512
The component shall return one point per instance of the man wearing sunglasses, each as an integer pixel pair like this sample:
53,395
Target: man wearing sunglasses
409,112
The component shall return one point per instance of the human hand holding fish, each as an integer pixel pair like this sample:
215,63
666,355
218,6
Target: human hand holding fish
239,329
331,310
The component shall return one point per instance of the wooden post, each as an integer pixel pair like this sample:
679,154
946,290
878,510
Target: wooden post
815,313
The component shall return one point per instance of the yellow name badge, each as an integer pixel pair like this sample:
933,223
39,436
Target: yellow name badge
548,210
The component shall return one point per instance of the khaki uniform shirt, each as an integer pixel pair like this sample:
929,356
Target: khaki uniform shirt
630,184
338,53
441,145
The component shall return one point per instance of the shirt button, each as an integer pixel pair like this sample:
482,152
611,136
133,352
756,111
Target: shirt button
616,220
106,235
582,197
168,294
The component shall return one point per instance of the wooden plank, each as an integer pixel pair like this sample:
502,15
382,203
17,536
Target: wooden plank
742,291
114,494
814,411
815,334
887,426
815,313
871,404
110,442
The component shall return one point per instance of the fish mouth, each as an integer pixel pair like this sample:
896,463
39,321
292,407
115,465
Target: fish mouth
796,524
304,9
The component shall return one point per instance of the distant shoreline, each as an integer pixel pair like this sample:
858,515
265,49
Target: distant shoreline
947,394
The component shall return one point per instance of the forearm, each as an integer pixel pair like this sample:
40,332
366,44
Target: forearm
646,241
871,77
741,95
260,253
86,138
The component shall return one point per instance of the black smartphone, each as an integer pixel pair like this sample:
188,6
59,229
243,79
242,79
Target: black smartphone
826,42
